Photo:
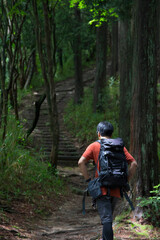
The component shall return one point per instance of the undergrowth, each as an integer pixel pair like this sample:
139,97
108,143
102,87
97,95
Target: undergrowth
23,174
135,229
82,122
151,206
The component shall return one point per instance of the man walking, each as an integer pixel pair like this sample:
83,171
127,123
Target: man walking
105,203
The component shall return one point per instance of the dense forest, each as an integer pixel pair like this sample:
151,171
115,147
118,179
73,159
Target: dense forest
46,42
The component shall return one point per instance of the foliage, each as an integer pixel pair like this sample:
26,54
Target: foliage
68,66
134,228
102,10
82,122
67,28
22,171
151,206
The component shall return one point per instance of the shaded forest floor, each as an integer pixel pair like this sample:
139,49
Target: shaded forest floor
62,218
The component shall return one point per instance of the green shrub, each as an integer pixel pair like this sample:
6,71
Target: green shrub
22,172
151,206
82,122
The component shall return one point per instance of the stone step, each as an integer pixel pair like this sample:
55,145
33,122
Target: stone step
67,163
68,154
66,158
63,159
67,149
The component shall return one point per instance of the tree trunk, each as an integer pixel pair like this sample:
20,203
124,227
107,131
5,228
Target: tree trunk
14,90
78,60
158,40
60,57
37,112
125,70
47,59
114,49
5,113
101,60
144,102
30,68
4,93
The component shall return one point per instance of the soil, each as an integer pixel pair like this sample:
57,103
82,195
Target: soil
64,219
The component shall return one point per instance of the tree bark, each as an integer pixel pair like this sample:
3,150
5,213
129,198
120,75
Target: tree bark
47,59
4,93
31,66
125,71
158,39
78,59
114,49
144,93
101,60
37,112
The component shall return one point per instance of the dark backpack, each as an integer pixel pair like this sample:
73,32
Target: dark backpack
113,170
113,167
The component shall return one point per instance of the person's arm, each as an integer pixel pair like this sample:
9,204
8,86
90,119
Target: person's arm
132,170
132,162
83,168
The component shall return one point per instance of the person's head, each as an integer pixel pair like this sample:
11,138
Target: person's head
105,129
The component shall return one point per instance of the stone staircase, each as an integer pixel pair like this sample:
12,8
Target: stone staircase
68,153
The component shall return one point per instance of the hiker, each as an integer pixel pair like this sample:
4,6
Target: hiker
105,203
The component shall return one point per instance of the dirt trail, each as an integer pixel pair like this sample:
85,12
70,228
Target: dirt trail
67,222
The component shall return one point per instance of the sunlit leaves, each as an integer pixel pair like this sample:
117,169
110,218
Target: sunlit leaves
104,10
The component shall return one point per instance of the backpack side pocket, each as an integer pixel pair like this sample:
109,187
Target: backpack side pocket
94,188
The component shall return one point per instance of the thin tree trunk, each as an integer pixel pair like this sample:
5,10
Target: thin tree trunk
60,58
37,112
114,49
144,102
30,68
78,60
51,44
125,70
4,94
48,71
5,113
101,60
14,91
158,39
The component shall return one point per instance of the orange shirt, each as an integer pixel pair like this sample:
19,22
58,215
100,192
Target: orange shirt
92,153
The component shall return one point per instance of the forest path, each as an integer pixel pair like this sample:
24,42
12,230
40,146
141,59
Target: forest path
67,221
69,151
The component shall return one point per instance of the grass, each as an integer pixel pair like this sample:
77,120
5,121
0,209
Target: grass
134,229
22,173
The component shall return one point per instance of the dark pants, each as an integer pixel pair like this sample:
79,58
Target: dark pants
105,206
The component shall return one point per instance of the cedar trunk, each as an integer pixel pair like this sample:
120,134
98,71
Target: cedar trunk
144,102
78,60
125,69
114,64
101,60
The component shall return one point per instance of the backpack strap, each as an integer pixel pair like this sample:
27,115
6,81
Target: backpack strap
96,165
128,199
83,201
